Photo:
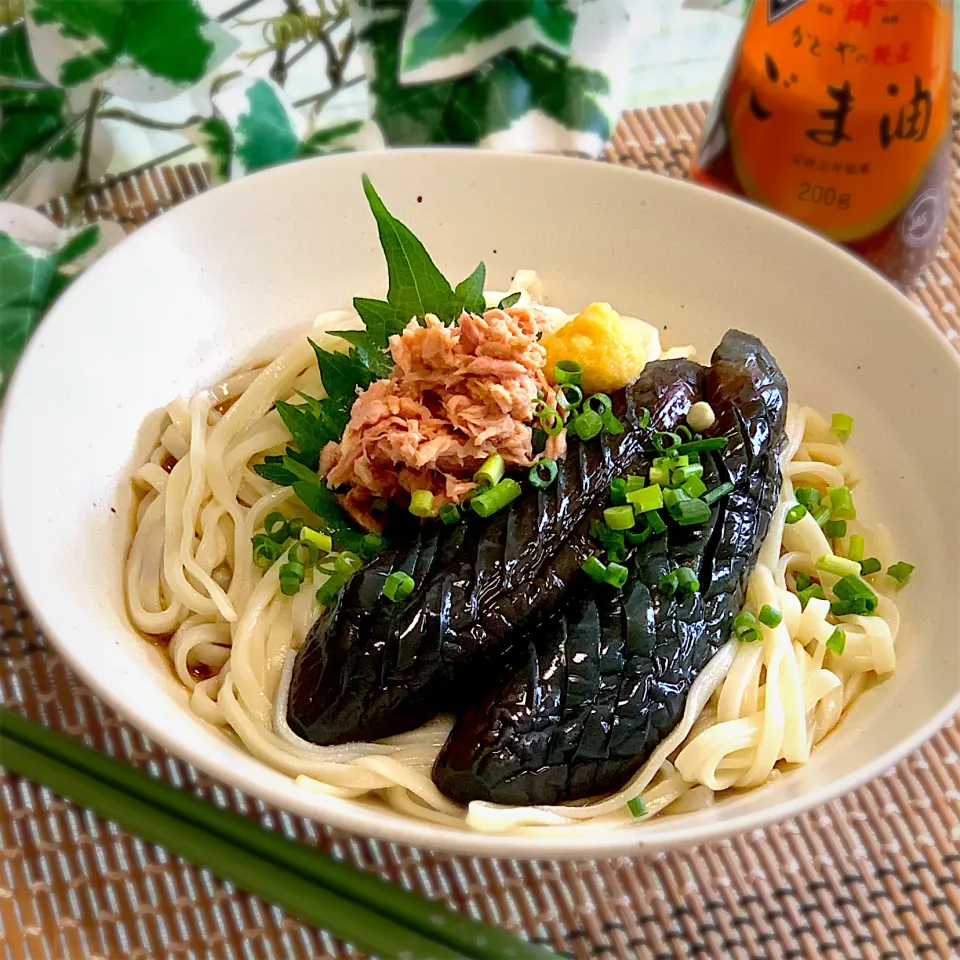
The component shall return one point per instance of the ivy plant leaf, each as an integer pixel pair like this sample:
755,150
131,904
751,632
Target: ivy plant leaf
31,118
266,133
450,37
470,291
416,287
334,139
31,279
163,37
216,138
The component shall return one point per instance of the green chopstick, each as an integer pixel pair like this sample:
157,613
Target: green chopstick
358,907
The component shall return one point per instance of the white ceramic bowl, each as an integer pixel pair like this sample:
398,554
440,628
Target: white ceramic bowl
193,294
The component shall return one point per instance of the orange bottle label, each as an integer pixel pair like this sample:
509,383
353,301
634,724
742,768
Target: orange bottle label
836,109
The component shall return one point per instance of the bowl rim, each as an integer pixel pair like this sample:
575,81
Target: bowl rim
368,821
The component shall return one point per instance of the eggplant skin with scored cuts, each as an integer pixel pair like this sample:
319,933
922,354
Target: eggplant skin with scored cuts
370,668
597,686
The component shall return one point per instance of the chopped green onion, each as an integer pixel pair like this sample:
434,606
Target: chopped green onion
668,583
837,641
637,807
856,548
745,627
814,591
660,475
588,425
646,498
347,562
672,496
835,529
696,446
821,515
398,586
619,518
310,558
868,566
290,586
660,439
838,566
608,539
687,581
641,535
852,588
770,616
635,483
694,487
496,498
686,434
449,513
656,522
612,425
294,526
841,424
277,528
568,371
550,421
808,496
616,575
689,513
321,541
600,403
841,503
543,473
594,569
538,439
371,545
682,473
644,420
329,590
421,503
569,395
803,580
900,571
796,513
291,576
618,491
716,493
490,474
266,551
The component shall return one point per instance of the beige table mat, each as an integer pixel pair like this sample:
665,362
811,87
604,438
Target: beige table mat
873,875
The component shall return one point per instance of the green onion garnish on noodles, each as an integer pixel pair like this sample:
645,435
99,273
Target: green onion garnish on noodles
616,575
900,571
347,563
328,591
619,518
745,627
841,424
449,513
371,545
644,420
641,533
681,474
855,548
618,491
294,526
398,586
568,371
835,529
657,524
291,575
838,566
694,487
868,566
665,441
587,425
686,434
812,592
551,422
421,503
698,446
646,498
637,807
821,515
491,473
660,475
543,473
276,526
266,551
808,496
687,581
841,503
321,541
305,553
668,583
496,498
594,569
569,395
690,513
611,424
770,616
717,492
538,439
635,483
837,641
796,513
854,595
803,580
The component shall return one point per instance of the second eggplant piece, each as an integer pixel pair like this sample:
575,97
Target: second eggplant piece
600,684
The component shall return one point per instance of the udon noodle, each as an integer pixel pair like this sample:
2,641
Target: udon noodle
190,579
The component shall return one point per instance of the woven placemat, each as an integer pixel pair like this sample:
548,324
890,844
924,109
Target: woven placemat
874,875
